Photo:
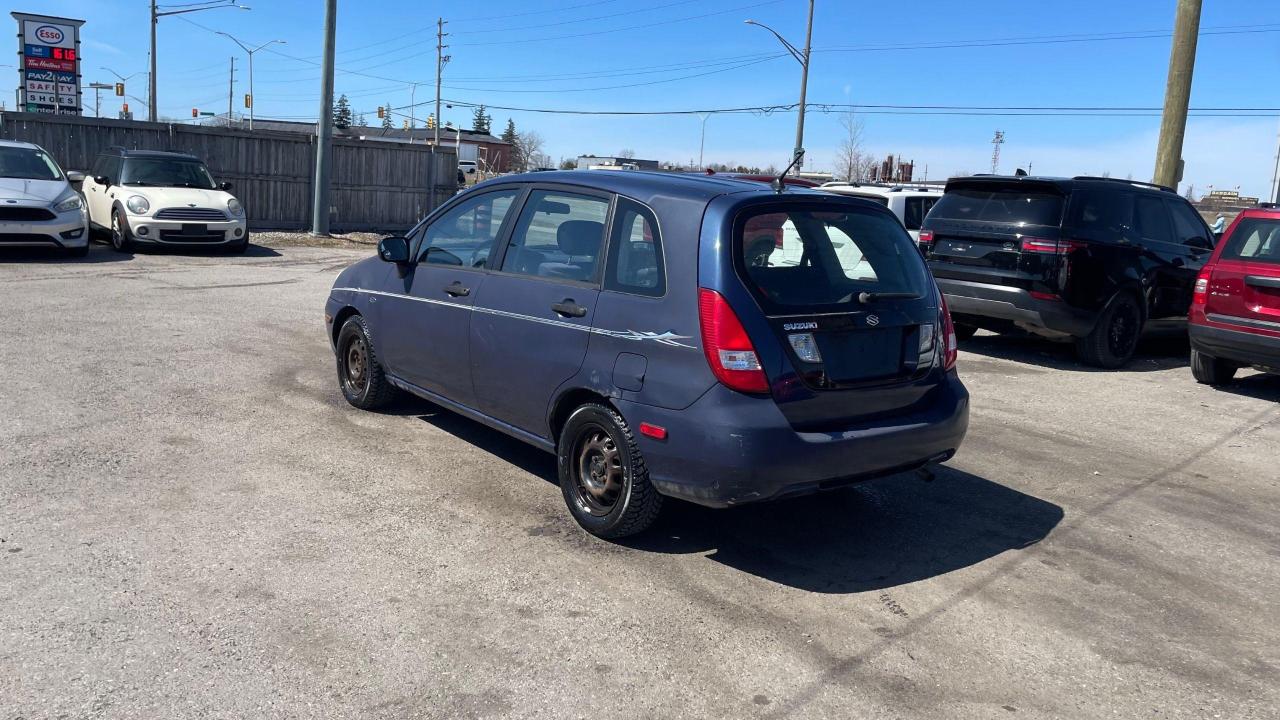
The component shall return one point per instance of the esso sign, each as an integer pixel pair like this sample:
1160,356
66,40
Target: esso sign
49,35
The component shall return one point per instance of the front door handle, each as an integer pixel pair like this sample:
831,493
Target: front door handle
457,290
569,308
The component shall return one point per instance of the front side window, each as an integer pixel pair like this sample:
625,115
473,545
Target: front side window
800,258
165,172
27,164
464,235
1188,229
1255,240
1153,221
635,252
559,235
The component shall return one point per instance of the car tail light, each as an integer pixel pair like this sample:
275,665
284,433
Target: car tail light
1201,294
729,351
1050,247
950,346
1044,296
926,240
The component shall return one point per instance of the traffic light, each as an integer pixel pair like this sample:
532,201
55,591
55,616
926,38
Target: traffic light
248,100
382,112
125,109
119,89
431,122
406,124
195,112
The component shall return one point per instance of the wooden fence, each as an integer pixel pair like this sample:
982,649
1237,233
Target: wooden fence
375,186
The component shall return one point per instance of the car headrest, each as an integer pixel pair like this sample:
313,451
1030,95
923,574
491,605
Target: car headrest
580,237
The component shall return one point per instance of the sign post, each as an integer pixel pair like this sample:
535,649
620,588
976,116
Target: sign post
49,72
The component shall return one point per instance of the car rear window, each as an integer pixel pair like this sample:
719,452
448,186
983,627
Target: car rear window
1000,205
1255,240
808,258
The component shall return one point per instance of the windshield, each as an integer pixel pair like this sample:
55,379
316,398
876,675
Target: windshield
166,172
821,258
1012,205
28,164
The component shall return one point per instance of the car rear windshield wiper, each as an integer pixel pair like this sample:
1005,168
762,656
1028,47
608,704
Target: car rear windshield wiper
870,297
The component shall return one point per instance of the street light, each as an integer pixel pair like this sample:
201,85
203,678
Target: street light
803,59
156,14
250,52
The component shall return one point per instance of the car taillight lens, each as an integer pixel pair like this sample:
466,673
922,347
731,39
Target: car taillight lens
1201,294
950,346
926,240
729,351
1051,247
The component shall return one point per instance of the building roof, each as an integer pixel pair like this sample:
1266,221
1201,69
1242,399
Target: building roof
416,135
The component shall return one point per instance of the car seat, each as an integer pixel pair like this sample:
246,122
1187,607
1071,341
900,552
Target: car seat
580,240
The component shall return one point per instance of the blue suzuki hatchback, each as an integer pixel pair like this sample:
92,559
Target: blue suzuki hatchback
670,335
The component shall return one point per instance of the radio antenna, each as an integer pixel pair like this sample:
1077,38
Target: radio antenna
778,184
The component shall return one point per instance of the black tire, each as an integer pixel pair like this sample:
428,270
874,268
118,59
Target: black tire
964,332
1210,370
238,247
1115,337
615,498
77,252
361,377
121,236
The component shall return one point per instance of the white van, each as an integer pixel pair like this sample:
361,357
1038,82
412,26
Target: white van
908,204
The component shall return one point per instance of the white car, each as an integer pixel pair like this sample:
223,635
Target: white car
908,204
38,205
162,198
467,166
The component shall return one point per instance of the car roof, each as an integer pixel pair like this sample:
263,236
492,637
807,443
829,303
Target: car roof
124,152
1064,184
20,144
645,185
1267,210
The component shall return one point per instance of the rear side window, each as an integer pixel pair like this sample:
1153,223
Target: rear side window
915,210
1255,240
559,235
1100,215
1000,205
1153,220
1188,228
803,258
635,252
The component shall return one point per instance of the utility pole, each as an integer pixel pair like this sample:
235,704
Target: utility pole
1177,94
151,79
250,52
703,143
413,108
1275,174
441,59
996,142
803,59
324,127
231,90
97,96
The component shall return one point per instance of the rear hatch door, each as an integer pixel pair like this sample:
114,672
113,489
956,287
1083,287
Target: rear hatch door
1244,285
847,296
1003,232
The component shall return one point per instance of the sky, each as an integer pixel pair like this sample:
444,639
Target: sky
612,55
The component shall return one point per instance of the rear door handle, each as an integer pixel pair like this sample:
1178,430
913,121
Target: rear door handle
569,308
1262,281
457,290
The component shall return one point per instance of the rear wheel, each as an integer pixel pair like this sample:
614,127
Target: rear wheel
360,373
1115,337
964,332
602,475
1210,370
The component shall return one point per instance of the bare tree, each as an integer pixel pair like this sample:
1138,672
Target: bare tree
627,153
526,150
852,163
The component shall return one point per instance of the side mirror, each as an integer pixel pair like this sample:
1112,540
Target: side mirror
394,249
75,176
225,187
102,180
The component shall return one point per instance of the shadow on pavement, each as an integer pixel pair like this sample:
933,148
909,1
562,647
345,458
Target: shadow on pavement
1261,386
1163,349
53,256
875,535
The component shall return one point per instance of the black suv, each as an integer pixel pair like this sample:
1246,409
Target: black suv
1087,258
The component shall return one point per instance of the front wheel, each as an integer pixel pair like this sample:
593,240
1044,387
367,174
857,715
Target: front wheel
1113,340
121,239
360,374
603,476
1210,370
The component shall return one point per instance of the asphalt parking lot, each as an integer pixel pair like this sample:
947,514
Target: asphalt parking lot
193,523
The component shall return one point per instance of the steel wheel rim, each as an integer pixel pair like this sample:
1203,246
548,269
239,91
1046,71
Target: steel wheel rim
355,373
598,476
1123,336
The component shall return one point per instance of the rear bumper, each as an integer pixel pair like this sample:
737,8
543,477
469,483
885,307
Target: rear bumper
1236,345
1015,305
728,449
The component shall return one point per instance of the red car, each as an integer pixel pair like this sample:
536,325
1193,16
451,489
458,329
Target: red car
1235,312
